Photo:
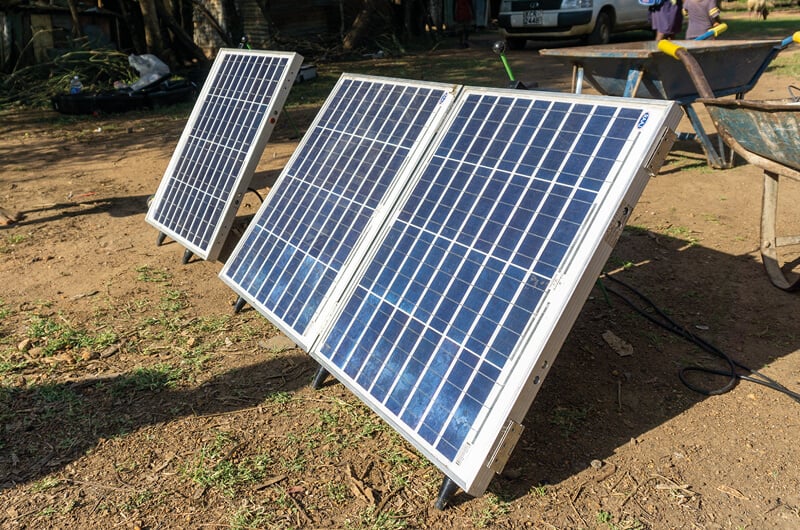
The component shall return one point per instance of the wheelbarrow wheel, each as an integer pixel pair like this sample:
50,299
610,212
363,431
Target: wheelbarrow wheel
601,34
779,273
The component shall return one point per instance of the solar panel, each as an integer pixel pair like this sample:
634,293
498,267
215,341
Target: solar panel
220,147
451,322
348,167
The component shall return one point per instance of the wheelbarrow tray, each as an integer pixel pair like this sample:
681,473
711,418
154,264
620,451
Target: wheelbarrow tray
765,133
770,129
731,66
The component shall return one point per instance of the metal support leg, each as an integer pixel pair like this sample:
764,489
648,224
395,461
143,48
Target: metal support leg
319,378
446,492
238,305
160,239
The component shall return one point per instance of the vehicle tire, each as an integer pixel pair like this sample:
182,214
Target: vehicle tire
601,34
516,43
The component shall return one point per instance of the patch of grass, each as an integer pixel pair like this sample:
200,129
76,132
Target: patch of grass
370,427
494,508
8,367
54,336
152,275
385,520
603,517
212,324
10,241
786,65
618,263
338,492
683,233
157,377
197,357
539,490
5,312
568,419
777,26
173,300
250,516
279,398
214,467
137,500
45,484
297,464
57,401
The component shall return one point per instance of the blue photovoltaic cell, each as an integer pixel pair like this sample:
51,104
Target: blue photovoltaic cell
290,256
465,263
206,170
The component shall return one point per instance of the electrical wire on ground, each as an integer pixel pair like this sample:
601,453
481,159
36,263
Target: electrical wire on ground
736,371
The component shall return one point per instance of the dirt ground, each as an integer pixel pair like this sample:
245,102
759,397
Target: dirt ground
133,397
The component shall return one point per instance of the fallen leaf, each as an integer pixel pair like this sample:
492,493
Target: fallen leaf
731,491
622,348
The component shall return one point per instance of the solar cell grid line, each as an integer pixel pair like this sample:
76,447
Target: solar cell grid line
210,129
220,147
454,316
346,172
238,76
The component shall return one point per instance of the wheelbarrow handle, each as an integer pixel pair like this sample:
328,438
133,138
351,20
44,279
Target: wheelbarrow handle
790,39
713,32
694,69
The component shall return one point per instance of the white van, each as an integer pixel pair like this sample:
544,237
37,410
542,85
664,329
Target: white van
591,20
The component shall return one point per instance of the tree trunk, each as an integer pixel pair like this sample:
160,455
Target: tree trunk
76,24
235,24
139,45
179,33
362,24
213,21
152,28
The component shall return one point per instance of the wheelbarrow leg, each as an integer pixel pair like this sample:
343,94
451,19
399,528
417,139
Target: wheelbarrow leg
577,78
769,241
716,158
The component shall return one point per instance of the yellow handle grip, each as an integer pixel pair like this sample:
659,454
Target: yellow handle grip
669,47
796,36
719,28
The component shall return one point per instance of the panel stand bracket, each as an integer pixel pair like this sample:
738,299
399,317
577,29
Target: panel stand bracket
319,378
238,305
446,492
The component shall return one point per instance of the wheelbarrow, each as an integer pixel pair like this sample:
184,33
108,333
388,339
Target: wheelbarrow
765,134
640,69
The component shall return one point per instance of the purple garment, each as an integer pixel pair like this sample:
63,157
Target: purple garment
667,18
701,15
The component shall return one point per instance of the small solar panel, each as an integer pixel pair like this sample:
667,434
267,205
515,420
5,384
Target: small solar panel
349,166
220,147
455,315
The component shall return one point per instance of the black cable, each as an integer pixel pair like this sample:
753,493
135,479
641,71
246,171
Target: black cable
260,198
734,367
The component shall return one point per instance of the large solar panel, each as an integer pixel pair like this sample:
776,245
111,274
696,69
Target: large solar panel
451,322
349,166
220,147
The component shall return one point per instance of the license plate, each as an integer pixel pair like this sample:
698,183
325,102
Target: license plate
533,18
